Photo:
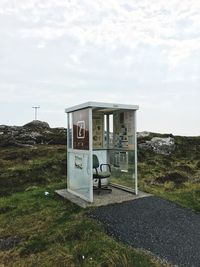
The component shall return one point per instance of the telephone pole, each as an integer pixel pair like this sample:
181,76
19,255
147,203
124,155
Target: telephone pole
36,109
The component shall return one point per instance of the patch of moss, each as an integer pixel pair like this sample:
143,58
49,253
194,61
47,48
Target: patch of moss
35,245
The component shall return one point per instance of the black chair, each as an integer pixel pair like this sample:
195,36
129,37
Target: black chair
99,175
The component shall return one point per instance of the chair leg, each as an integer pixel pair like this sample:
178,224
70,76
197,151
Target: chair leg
99,189
99,183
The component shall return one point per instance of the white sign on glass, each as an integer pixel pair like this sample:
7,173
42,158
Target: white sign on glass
80,129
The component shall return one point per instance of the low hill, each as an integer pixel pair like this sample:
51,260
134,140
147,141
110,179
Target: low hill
32,133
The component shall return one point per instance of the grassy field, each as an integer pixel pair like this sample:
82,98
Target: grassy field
174,177
44,230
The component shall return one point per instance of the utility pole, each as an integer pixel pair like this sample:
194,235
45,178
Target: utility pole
36,108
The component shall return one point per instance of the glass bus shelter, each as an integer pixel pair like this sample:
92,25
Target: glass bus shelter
108,131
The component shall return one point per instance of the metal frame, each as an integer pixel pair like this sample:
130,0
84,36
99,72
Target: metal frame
68,124
135,136
90,151
101,105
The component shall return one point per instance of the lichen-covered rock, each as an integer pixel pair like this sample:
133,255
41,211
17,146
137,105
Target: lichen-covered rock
159,145
37,124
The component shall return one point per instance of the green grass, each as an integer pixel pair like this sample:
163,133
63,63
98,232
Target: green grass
50,231
188,196
23,167
54,232
183,161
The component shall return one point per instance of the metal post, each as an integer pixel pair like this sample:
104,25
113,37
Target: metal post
91,153
108,131
108,138
36,108
68,129
135,137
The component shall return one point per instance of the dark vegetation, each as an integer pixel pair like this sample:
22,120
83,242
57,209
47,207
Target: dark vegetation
29,166
43,230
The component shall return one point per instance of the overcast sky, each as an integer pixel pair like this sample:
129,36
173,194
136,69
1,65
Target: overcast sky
59,53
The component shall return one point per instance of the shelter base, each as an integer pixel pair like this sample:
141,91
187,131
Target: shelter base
103,199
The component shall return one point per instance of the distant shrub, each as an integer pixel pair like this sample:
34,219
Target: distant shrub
174,177
197,192
167,162
185,168
36,245
152,162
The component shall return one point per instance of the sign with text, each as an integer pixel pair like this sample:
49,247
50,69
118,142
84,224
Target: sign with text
81,129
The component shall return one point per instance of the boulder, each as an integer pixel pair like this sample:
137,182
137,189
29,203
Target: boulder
159,145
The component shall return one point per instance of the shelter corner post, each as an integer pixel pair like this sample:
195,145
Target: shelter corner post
136,169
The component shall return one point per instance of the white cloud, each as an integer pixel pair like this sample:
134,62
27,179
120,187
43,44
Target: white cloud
62,52
129,29
110,23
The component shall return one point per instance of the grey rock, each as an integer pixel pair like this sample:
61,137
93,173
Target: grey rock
47,132
14,133
37,123
34,135
159,145
2,127
143,134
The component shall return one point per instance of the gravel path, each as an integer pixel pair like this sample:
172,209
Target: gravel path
159,226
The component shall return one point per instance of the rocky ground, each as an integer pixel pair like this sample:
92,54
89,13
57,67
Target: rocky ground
35,132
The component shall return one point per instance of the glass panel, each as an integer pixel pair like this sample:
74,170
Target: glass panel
124,129
79,180
123,167
122,156
79,175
